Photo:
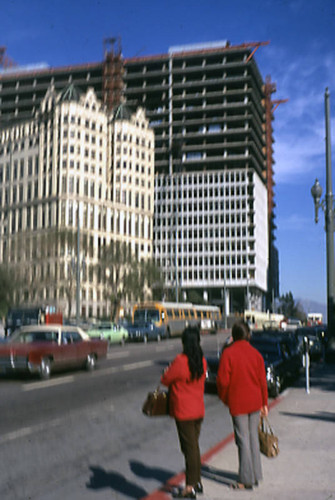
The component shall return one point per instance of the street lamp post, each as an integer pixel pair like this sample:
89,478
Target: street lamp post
328,208
78,269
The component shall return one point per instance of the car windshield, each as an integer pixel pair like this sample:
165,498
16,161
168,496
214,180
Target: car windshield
34,336
104,326
146,315
268,350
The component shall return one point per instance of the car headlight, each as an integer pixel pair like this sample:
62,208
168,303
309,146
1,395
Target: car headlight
269,374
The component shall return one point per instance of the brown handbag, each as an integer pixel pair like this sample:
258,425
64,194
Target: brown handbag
268,442
156,404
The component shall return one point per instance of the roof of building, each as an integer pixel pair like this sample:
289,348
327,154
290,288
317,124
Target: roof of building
122,112
70,93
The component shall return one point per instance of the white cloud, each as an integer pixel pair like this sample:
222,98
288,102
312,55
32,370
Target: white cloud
299,125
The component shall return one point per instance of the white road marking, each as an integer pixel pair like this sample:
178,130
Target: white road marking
163,348
27,431
140,364
124,368
112,355
47,383
45,426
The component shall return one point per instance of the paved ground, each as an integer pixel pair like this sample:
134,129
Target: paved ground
305,466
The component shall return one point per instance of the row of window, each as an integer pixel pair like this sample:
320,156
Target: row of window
209,275
138,141
192,247
93,125
138,201
21,169
199,206
232,177
228,191
199,220
44,216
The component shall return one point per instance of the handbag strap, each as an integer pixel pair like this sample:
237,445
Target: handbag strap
266,424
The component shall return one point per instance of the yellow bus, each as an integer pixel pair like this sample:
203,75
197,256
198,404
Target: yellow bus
175,317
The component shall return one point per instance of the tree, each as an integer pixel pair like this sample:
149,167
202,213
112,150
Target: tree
7,288
124,276
290,308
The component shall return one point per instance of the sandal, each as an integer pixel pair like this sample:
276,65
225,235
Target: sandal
198,488
184,494
240,486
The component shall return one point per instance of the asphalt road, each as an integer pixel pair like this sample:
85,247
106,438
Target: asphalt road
82,435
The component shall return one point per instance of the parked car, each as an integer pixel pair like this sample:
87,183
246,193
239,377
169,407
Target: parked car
43,349
314,335
144,332
114,334
281,357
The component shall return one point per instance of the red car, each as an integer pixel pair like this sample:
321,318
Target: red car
43,349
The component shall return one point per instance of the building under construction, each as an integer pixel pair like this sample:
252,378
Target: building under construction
212,113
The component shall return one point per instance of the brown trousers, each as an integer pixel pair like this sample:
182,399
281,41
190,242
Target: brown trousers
189,432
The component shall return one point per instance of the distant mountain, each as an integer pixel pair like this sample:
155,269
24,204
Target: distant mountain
312,306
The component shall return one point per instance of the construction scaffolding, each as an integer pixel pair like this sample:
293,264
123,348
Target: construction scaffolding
112,82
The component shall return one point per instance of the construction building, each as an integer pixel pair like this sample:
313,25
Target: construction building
212,113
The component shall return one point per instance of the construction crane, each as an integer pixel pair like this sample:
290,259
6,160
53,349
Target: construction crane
5,61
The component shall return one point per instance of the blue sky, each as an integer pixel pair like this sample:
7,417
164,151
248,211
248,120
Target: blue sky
300,59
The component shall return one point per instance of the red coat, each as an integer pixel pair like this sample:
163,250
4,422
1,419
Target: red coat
186,396
241,379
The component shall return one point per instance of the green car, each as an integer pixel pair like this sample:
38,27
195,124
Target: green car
111,332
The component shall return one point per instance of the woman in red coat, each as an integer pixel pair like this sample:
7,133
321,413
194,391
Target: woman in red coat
185,378
242,386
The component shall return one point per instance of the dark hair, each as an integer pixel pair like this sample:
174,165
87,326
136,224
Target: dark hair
193,351
240,331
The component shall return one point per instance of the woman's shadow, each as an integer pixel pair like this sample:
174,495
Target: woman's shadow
101,479
218,475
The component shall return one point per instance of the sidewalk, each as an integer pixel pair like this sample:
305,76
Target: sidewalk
305,466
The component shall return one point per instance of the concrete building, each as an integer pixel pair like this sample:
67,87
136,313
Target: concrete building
73,170
211,113
207,106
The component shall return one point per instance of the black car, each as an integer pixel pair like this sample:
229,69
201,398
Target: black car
315,338
281,357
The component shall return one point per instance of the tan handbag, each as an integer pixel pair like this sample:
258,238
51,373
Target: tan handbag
156,404
268,442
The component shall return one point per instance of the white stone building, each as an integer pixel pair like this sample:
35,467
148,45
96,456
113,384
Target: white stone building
73,159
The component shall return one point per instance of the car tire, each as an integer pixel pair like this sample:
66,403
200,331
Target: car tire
45,369
90,362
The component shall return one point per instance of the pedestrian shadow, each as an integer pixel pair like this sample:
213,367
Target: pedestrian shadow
102,479
325,416
219,475
141,470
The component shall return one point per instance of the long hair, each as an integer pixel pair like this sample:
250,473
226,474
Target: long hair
240,331
193,351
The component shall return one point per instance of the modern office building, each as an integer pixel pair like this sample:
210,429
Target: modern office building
211,112
73,172
207,105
